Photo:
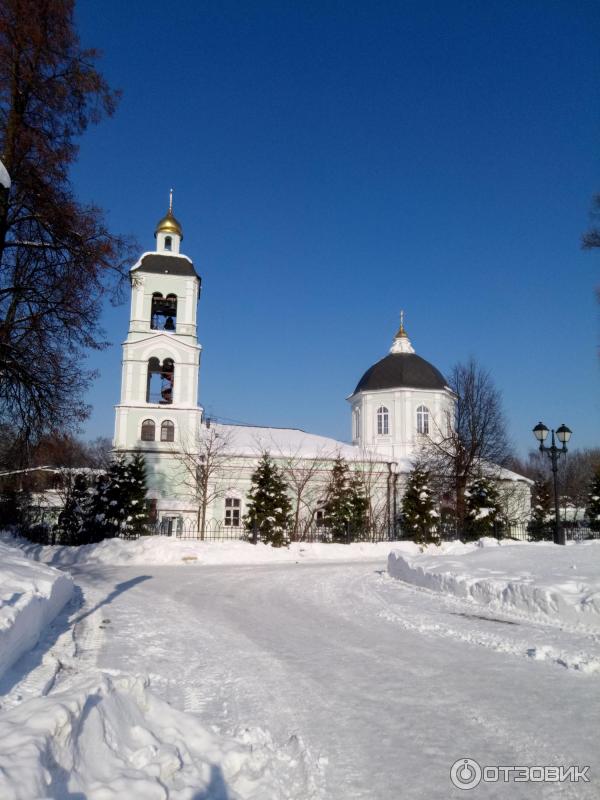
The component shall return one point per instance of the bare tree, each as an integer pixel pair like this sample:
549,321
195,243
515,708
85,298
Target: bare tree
205,461
303,476
57,256
471,442
575,478
591,238
377,482
575,471
99,452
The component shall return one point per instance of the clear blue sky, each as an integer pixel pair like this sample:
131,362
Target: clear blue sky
335,162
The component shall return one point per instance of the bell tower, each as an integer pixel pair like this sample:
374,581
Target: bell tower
158,413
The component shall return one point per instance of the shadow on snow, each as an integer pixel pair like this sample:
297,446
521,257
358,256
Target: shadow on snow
61,624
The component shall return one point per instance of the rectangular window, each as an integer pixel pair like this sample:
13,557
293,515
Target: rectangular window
232,512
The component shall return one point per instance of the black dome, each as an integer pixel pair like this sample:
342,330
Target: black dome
401,370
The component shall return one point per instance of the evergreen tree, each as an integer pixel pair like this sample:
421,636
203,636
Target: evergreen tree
13,507
484,511
592,511
95,525
419,517
359,521
540,526
269,507
115,498
137,516
72,519
118,505
339,507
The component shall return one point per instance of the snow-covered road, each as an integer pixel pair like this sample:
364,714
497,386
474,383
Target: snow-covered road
368,687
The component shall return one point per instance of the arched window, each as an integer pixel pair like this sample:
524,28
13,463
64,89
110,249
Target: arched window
160,381
148,429
357,423
168,243
383,423
423,420
167,431
164,312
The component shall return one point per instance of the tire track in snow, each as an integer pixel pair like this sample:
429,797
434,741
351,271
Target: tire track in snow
88,629
228,699
529,748
507,638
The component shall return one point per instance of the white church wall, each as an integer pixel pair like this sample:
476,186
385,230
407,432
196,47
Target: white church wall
402,441
515,496
235,480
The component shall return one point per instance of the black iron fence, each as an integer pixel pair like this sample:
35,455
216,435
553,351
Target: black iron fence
219,531
518,531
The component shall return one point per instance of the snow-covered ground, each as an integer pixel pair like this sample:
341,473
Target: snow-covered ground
109,736
163,550
31,595
299,680
562,583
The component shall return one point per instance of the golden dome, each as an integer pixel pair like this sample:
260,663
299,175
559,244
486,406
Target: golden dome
168,224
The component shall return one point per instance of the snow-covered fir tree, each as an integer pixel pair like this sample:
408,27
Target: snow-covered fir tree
95,528
359,521
118,505
269,507
138,516
72,519
540,524
115,498
339,507
418,516
485,516
592,511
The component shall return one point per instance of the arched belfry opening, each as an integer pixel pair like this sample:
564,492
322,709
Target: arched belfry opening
163,315
160,381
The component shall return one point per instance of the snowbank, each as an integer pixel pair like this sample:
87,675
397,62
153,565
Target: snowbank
31,595
156,550
529,578
112,737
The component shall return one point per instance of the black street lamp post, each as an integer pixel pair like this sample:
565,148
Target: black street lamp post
563,434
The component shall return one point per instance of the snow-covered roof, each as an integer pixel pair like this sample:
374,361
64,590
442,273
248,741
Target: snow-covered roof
285,442
55,470
253,440
503,474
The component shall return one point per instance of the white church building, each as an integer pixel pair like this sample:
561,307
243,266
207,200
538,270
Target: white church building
398,401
